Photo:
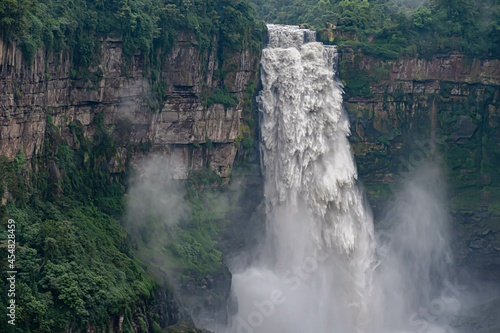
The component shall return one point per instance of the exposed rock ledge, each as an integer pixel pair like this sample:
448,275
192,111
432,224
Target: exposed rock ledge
30,92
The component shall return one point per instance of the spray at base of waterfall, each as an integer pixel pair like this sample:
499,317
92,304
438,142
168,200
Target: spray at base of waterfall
322,267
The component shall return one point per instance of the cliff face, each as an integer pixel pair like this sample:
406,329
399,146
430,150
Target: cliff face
448,95
413,109
454,67
171,115
174,109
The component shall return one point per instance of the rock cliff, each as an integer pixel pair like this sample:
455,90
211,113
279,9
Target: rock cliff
166,110
191,109
405,111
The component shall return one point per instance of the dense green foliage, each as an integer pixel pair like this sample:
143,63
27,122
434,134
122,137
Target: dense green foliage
73,260
195,245
148,26
177,238
76,262
220,96
388,28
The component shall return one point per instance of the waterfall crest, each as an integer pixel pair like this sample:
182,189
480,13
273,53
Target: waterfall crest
321,267
306,154
316,218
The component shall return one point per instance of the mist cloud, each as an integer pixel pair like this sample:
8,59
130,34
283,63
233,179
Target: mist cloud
155,205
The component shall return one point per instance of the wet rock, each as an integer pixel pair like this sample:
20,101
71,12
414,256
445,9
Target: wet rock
483,318
478,244
45,86
465,130
486,232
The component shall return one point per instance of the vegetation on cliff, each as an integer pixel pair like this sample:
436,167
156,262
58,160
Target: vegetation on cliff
77,265
148,26
74,262
389,28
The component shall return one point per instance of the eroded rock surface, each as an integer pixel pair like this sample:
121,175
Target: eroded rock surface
416,109
177,123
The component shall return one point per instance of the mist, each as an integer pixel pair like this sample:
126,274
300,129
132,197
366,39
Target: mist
415,279
155,204
324,265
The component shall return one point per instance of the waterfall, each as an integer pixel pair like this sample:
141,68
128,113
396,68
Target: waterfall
317,269
307,161
320,236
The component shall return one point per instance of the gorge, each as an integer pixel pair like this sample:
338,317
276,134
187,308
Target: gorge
177,166
321,267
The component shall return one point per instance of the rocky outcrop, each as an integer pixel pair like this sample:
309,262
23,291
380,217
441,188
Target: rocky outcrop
447,106
454,67
167,109
451,99
188,109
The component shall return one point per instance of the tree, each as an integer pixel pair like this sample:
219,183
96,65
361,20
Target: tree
12,13
422,18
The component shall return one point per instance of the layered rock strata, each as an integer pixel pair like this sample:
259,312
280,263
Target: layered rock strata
167,109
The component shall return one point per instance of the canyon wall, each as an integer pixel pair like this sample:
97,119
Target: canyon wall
191,108
406,111
402,112
165,110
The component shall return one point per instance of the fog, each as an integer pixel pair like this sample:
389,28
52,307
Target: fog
414,280
322,266
155,203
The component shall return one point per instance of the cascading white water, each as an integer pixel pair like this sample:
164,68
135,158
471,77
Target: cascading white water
316,271
320,236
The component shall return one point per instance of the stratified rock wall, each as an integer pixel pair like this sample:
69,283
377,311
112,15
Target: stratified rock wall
50,86
451,96
447,106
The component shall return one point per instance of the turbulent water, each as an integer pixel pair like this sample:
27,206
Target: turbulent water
321,267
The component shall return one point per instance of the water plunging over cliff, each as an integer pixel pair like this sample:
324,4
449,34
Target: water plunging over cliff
316,269
316,219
